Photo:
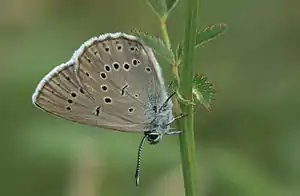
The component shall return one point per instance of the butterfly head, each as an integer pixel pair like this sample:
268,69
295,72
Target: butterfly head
153,137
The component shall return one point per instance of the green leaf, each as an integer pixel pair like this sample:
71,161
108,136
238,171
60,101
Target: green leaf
157,45
203,90
209,33
162,8
203,36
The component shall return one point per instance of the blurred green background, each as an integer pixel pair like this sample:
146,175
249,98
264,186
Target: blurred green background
249,145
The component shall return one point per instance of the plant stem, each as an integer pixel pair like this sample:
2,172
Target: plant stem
175,65
165,35
187,141
166,39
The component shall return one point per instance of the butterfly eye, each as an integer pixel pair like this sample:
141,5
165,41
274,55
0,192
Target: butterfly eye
153,138
70,101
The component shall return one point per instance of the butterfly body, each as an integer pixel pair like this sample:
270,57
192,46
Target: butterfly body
160,123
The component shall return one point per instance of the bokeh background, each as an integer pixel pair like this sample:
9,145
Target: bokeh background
248,145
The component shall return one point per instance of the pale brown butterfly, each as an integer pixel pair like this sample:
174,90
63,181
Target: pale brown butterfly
112,81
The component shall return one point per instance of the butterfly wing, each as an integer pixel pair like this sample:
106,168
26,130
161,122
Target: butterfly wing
59,93
121,74
112,81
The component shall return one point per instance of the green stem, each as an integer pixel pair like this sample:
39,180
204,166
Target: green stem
187,140
165,35
166,39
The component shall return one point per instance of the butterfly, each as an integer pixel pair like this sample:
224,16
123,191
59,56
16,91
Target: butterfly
112,81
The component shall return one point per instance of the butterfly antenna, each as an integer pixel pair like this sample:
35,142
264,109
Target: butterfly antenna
167,100
138,162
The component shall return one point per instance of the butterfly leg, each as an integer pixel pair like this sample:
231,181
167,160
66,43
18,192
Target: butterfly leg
177,117
170,132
